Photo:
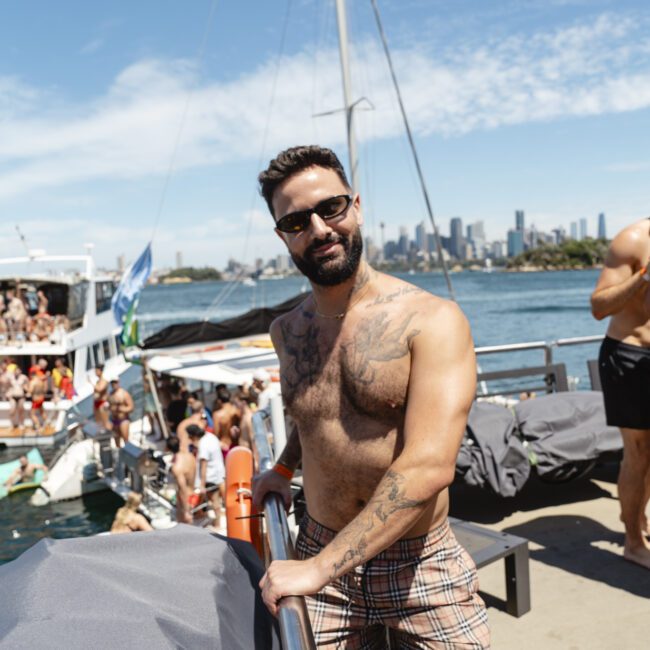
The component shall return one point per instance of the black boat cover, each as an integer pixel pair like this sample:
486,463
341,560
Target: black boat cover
563,429
255,321
179,588
491,452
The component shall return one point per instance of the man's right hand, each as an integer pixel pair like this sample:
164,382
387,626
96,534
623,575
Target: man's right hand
270,481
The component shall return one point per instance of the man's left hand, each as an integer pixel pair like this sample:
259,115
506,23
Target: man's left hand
290,578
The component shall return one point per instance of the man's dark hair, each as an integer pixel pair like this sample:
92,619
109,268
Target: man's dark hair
294,160
99,366
194,431
173,444
223,394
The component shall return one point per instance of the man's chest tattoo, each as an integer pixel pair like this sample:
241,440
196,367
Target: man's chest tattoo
379,339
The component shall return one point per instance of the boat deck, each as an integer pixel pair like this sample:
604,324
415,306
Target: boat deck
583,593
25,432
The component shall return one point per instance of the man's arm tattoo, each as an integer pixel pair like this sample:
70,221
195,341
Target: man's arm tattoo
389,498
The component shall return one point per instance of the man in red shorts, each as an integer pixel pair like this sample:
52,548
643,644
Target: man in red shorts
378,377
624,365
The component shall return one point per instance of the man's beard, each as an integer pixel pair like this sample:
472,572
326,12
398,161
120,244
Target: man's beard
326,272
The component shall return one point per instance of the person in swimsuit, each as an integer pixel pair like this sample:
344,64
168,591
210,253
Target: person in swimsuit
183,470
128,519
623,293
121,406
100,398
378,377
24,473
17,386
36,389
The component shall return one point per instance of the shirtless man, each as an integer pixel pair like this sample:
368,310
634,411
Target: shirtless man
100,398
24,473
184,472
16,390
121,406
225,414
36,389
197,417
624,364
378,377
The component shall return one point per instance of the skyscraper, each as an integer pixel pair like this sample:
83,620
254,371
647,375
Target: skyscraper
403,241
179,260
515,242
602,230
583,228
574,230
421,237
457,239
519,220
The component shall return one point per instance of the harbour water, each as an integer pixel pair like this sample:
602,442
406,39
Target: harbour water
501,307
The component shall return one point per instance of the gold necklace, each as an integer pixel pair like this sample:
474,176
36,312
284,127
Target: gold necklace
341,315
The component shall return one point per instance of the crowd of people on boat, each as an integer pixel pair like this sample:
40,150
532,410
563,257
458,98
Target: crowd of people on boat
36,386
24,317
198,435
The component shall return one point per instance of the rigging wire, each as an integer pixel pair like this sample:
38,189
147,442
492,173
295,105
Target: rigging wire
413,150
230,286
179,133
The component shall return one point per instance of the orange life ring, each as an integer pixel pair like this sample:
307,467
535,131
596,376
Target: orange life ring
239,483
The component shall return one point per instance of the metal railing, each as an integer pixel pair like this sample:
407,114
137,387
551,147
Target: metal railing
546,346
295,627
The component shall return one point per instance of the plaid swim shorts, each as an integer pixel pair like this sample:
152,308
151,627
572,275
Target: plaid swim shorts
419,593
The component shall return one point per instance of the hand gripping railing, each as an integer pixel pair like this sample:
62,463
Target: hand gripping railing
295,628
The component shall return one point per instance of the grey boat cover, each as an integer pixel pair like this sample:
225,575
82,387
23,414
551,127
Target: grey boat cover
178,588
565,428
491,452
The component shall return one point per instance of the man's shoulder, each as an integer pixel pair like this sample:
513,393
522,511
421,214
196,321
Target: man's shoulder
633,238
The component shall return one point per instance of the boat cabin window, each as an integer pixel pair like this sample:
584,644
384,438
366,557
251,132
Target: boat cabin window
106,348
98,359
118,344
103,293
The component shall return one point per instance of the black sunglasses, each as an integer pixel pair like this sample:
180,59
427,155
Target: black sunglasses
327,209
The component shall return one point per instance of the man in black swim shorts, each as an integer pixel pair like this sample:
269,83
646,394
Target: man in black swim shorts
624,364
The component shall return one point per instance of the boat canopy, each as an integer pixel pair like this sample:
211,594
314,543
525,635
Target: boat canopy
232,366
255,321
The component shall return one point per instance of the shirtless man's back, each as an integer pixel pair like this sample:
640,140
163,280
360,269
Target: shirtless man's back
622,292
184,472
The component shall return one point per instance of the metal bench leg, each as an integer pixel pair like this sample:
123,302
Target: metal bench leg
517,582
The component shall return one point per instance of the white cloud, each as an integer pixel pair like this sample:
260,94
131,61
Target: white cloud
130,132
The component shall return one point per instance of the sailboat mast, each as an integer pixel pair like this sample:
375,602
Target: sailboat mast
349,105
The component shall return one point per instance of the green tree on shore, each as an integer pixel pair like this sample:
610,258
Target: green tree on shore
571,254
195,274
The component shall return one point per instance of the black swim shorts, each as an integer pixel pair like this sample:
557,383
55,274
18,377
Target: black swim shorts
625,378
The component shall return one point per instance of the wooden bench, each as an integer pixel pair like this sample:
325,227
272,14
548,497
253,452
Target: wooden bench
486,546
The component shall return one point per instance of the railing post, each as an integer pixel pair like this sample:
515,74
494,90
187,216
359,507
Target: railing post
295,627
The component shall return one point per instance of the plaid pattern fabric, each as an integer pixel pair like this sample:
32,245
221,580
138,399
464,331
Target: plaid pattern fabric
419,593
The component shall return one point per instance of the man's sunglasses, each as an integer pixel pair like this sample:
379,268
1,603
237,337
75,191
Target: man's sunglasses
327,209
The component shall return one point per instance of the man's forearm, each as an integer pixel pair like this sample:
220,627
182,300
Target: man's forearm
396,505
292,453
612,299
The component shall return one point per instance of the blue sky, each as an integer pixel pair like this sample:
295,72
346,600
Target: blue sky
541,105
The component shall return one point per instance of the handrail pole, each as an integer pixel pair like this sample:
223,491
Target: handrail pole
295,627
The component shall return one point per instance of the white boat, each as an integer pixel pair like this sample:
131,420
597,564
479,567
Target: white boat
78,327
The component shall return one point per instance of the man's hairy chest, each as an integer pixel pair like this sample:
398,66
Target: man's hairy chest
346,371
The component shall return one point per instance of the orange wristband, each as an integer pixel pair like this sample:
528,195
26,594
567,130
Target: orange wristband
643,270
282,470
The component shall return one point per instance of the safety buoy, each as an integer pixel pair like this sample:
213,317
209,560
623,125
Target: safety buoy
239,484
